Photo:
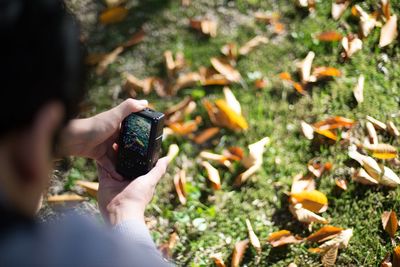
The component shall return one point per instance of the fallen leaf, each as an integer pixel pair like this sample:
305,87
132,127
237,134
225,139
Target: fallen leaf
113,15
367,21
185,128
94,58
230,50
180,186
358,90
324,72
231,100
389,222
208,76
329,36
218,261
304,215
235,120
173,151
327,133
314,200
252,44
226,69
111,3
178,111
285,76
206,135
108,59
261,83
69,197
381,151
338,8
205,26
254,241
377,124
389,178
341,240
369,164
396,256
238,252
386,8
330,256
341,183
136,38
302,183
315,167
361,176
234,153
281,238
299,88
305,67
388,32
372,135
392,129
90,187
185,80
166,248
212,175
386,261
267,17
307,130
221,159
351,44
324,233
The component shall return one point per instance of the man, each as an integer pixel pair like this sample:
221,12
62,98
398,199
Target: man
42,78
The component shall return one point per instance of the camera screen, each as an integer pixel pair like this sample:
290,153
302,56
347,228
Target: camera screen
137,134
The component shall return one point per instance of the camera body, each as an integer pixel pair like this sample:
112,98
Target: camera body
139,143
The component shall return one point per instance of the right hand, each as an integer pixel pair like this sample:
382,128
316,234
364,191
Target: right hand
122,200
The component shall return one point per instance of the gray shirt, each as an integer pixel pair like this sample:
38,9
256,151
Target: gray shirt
79,241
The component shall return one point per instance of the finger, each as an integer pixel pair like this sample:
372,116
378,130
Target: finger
108,165
158,171
130,105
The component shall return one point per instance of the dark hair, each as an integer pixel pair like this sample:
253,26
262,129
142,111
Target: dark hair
41,59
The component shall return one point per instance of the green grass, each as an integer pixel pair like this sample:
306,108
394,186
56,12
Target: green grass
274,112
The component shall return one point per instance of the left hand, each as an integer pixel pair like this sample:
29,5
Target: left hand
96,137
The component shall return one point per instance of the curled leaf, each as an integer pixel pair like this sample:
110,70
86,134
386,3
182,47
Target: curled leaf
388,32
358,90
231,100
341,183
381,151
70,197
108,59
185,128
281,238
329,36
307,130
221,159
373,136
361,176
254,241
369,164
389,222
226,69
206,135
351,44
338,8
212,175
252,44
90,187
180,186
113,15
302,183
305,67
377,124
314,200
233,120
238,252
392,129
324,233
205,26
304,215
218,261
389,178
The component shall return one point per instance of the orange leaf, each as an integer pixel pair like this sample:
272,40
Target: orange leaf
281,238
327,133
396,256
389,222
252,44
108,59
180,186
167,247
70,197
136,38
322,72
113,15
90,187
205,26
212,175
314,200
330,36
238,252
341,183
285,76
206,135
185,128
325,233
218,261
299,88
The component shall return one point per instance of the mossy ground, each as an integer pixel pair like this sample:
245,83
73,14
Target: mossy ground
275,112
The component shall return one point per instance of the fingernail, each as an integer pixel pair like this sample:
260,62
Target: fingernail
143,102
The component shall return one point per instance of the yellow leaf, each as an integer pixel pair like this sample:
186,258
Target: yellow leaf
236,120
113,15
381,151
90,187
231,100
327,133
389,222
314,200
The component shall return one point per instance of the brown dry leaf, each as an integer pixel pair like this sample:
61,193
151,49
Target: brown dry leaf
389,222
381,151
307,130
90,187
267,17
252,44
314,200
238,252
230,50
206,135
316,167
180,186
173,151
367,21
329,36
185,128
208,76
341,240
205,26
299,88
234,153
108,59
135,85
330,256
304,215
361,176
389,178
388,32
113,15
302,183
261,83
341,183
226,69
136,38
369,164
184,81
167,247
351,44
358,90
325,233
178,111
396,256
305,67
69,197
221,159
392,129
372,135
173,65
212,175
386,261
282,237
218,261
254,241
377,124
386,8
95,58
338,8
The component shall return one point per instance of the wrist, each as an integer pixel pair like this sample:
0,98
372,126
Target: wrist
122,210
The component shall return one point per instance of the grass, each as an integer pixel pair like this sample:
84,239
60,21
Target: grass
274,112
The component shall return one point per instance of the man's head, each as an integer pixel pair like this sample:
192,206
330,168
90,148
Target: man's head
42,76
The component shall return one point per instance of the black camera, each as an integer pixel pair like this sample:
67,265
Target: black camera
139,143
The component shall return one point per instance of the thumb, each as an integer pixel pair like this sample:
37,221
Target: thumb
158,171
